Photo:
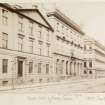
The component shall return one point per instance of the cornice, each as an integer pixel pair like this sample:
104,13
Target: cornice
66,20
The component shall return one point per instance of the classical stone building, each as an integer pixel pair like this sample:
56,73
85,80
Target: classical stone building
25,46
94,56
68,45
36,47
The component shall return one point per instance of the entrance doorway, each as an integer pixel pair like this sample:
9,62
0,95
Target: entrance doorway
20,68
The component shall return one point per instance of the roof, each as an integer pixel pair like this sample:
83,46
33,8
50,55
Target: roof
8,7
89,39
66,20
37,10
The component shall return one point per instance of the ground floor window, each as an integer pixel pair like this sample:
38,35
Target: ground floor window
4,65
30,67
90,72
39,67
85,72
47,68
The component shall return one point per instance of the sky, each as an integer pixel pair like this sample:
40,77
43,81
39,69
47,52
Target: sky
89,14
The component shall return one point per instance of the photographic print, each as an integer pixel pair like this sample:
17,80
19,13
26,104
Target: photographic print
52,51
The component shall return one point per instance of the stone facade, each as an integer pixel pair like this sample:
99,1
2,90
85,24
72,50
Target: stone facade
25,48
68,46
36,47
94,56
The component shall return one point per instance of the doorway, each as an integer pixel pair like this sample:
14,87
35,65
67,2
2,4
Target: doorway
20,68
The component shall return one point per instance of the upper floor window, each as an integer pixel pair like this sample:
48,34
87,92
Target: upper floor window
90,47
4,65
20,24
39,31
63,29
4,40
20,44
31,28
31,46
57,26
40,51
30,67
67,33
40,48
47,35
39,67
84,47
85,64
4,16
47,68
48,52
90,64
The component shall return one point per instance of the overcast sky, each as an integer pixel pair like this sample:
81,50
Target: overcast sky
89,14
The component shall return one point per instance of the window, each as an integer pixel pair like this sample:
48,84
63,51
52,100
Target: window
62,29
31,46
39,31
67,32
85,72
40,51
84,64
4,17
47,35
4,65
4,40
20,44
47,68
90,72
90,47
31,28
48,52
84,47
39,68
20,23
4,83
30,67
57,66
90,64
57,26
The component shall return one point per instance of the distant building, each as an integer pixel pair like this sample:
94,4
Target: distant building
94,56
68,46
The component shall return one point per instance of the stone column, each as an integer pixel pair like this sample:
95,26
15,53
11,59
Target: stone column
72,68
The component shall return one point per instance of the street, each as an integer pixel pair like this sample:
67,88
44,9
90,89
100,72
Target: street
69,86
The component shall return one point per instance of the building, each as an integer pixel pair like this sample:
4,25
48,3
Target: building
94,56
68,45
25,47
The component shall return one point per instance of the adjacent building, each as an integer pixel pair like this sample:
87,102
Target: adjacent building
68,45
94,56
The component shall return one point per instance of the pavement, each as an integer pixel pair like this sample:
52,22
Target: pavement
68,86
